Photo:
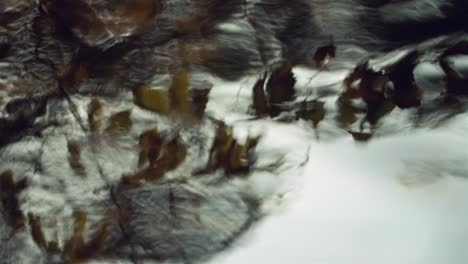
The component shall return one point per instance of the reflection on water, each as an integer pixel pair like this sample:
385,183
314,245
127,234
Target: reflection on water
236,132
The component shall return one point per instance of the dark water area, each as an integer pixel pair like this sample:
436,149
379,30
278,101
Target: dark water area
216,131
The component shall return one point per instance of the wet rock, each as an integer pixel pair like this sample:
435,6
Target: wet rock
100,23
193,220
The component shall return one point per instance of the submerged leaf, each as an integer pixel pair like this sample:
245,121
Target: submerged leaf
372,89
74,157
280,88
312,111
162,156
76,241
95,115
260,102
9,191
180,94
357,74
177,100
152,99
174,154
226,153
240,160
120,122
324,54
36,232
150,146
347,112
95,246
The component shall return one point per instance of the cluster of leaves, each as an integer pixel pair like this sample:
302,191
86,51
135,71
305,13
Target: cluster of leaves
381,91
395,86
276,94
158,155
178,100
75,249
118,123
228,154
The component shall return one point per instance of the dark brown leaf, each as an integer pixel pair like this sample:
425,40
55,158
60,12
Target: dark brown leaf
36,232
260,102
324,54
280,88
200,99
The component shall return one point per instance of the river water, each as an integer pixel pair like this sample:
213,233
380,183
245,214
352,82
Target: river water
120,144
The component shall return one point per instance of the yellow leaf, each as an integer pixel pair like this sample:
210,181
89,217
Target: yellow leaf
154,100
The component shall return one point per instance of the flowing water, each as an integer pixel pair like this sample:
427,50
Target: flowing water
233,132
